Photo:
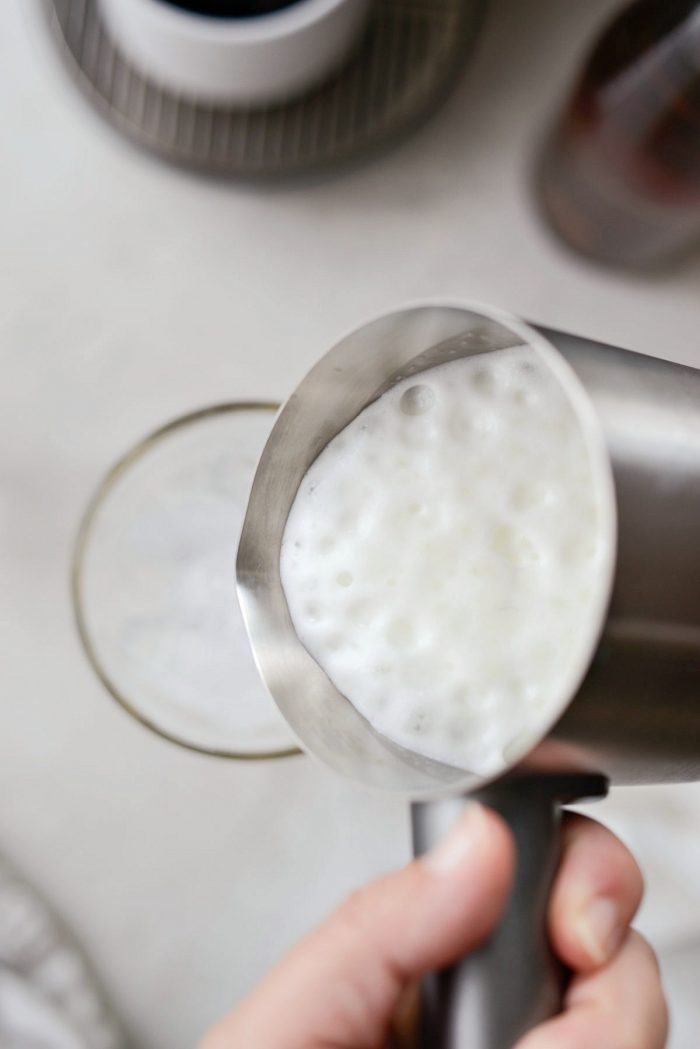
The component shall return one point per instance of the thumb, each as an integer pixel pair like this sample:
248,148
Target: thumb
342,983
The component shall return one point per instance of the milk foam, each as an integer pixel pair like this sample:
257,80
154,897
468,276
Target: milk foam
445,558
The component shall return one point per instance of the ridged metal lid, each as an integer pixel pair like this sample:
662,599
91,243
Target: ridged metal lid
408,60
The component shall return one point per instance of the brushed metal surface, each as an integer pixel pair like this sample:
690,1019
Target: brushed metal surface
636,716
407,62
491,998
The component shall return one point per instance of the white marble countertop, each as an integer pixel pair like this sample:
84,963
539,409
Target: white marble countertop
130,293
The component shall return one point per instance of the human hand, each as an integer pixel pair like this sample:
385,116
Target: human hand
351,983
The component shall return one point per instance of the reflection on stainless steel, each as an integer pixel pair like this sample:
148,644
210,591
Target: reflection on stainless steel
636,715
354,373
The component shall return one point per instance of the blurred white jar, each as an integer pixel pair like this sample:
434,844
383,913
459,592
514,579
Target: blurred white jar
250,60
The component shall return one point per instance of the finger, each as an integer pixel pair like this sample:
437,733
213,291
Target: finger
618,1006
596,894
341,985
405,1021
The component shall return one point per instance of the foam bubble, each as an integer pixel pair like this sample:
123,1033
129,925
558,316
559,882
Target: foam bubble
459,552
417,400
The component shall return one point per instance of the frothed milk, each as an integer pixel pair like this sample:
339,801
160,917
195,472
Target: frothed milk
444,560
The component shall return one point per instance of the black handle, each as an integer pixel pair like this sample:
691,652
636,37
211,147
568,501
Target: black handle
492,998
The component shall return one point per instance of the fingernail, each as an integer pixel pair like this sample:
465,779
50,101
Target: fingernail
453,850
600,929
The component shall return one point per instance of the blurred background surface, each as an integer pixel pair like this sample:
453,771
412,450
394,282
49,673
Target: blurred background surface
131,293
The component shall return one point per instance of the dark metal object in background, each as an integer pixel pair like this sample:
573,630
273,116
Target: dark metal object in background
619,178
409,59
